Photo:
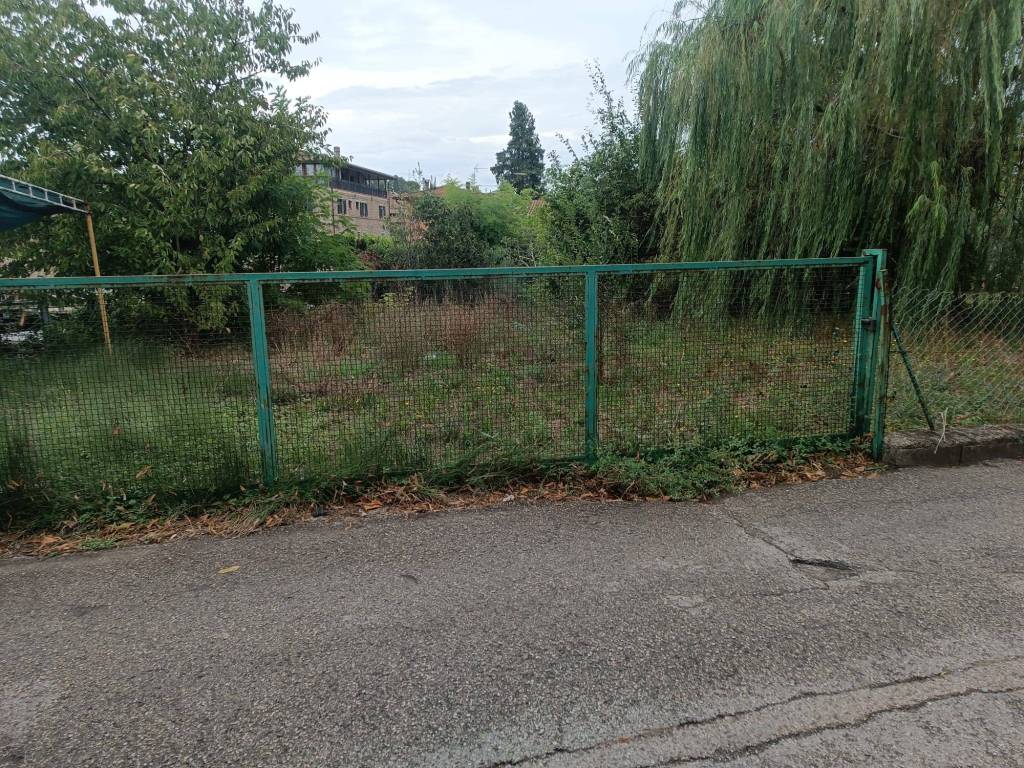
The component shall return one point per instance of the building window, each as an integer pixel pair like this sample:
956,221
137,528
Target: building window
304,171
364,210
380,211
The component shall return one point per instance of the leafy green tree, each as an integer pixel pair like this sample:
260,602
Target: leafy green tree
521,163
457,226
598,208
403,186
340,252
809,128
163,115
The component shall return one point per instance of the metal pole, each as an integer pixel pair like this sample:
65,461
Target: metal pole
96,270
863,333
590,329
913,377
883,326
261,367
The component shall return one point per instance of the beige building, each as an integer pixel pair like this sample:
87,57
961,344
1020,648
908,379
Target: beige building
362,195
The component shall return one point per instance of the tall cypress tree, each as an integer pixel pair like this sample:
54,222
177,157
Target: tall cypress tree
521,163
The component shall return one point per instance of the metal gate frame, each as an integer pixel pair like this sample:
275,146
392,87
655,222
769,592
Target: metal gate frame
871,331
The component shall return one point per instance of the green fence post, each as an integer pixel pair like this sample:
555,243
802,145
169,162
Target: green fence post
864,339
261,367
590,329
880,313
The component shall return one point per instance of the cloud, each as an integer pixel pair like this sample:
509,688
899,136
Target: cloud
423,43
432,81
495,139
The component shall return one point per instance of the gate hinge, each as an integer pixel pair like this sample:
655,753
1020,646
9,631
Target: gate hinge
869,324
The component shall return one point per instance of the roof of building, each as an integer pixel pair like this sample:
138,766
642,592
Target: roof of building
350,166
369,171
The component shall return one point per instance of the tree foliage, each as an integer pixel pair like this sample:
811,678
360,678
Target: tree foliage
162,114
456,226
812,127
599,209
402,186
521,163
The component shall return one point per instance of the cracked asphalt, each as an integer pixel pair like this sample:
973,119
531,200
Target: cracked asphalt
871,622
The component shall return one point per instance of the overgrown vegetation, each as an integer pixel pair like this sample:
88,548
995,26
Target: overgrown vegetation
453,389
706,470
460,226
694,472
966,351
599,209
595,209
761,130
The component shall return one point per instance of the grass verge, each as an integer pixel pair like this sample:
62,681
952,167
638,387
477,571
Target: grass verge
692,472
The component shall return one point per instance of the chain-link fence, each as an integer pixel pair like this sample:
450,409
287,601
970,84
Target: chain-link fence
212,383
962,354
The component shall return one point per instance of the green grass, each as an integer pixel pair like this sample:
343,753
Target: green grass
84,429
98,544
968,378
967,351
459,394
705,470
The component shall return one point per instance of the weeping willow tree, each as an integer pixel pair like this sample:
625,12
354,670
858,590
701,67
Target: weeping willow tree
806,128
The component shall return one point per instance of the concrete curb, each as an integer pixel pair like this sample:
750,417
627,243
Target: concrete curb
959,445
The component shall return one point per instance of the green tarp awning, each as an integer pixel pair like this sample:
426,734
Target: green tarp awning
16,210
22,203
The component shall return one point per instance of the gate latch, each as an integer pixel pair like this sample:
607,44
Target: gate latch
869,324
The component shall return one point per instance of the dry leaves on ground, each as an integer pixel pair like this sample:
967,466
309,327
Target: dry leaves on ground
405,500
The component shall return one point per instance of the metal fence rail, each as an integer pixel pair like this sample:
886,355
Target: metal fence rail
218,381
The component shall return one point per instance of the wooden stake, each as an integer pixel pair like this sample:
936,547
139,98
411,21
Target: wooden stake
96,270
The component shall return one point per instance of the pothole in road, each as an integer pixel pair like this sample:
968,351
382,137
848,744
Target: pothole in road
823,570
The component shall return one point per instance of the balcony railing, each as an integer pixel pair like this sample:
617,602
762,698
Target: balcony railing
363,189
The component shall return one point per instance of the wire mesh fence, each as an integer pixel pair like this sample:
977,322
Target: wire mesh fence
408,376
966,352
734,354
165,408
212,384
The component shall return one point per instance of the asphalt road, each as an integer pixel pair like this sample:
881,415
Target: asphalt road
872,622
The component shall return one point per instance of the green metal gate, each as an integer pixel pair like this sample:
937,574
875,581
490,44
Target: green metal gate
216,381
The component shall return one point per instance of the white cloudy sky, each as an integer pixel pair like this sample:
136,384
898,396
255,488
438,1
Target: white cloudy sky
432,81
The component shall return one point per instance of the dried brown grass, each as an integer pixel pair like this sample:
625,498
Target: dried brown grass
407,333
